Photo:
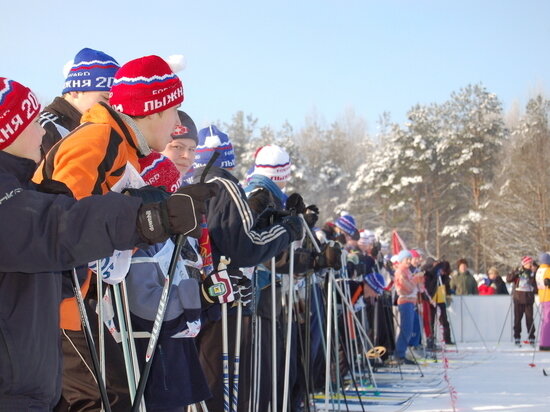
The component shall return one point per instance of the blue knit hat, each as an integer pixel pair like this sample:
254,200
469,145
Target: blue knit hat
404,254
347,224
544,258
211,140
91,71
375,281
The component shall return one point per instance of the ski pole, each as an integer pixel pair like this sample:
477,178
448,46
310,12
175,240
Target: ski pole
157,324
236,360
273,337
100,320
90,341
225,357
130,375
290,308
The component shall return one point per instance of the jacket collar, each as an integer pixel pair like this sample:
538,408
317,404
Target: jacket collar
23,169
214,172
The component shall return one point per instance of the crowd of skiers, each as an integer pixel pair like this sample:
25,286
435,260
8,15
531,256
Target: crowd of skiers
138,272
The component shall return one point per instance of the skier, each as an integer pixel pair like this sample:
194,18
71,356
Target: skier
88,82
181,150
140,116
176,378
406,285
524,288
44,236
233,235
543,285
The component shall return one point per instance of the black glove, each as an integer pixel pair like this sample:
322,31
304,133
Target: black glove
148,194
296,202
547,282
293,224
311,215
179,214
330,256
303,261
242,286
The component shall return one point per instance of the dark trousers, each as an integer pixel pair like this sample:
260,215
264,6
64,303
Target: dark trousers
80,391
443,320
519,310
209,343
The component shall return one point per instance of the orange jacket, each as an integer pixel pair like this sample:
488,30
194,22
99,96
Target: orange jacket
90,160
543,272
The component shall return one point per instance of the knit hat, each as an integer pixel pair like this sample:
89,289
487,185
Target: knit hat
347,224
375,281
90,71
272,161
158,170
211,140
366,237
414,253
18,108
145,86
187,128
404,254
544,258
527,260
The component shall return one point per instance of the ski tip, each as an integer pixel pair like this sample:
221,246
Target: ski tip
532,365
544,373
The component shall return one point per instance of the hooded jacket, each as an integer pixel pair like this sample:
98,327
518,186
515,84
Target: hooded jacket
90,160
43,234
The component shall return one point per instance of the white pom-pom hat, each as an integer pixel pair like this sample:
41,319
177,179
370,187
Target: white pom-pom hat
272,161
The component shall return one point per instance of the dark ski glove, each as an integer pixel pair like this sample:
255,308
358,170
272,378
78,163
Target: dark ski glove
293,224
242,286
148,194
547,282
296,202
311,215
181,213
330,256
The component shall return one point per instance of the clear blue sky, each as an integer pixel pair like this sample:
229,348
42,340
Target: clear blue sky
285,59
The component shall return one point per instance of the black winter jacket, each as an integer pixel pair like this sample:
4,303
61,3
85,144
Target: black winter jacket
43,234
231,225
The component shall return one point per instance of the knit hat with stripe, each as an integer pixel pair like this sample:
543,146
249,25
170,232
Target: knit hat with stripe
145,86
91,71
18,108
347,224
272,161
212,140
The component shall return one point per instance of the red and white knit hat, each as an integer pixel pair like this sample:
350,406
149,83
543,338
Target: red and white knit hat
158,170
145,86
18,108
527,260
272,161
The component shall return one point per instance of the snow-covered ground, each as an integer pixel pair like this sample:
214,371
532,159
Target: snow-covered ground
493,378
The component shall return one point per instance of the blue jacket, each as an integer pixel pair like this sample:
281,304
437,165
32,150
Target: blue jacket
43,234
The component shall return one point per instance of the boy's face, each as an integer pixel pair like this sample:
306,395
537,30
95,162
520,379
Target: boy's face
160,127
27,144
182,153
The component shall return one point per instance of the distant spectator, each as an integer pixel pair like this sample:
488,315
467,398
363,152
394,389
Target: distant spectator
462,280
524,287
493,284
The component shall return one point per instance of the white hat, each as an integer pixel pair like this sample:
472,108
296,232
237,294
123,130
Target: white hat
272,161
